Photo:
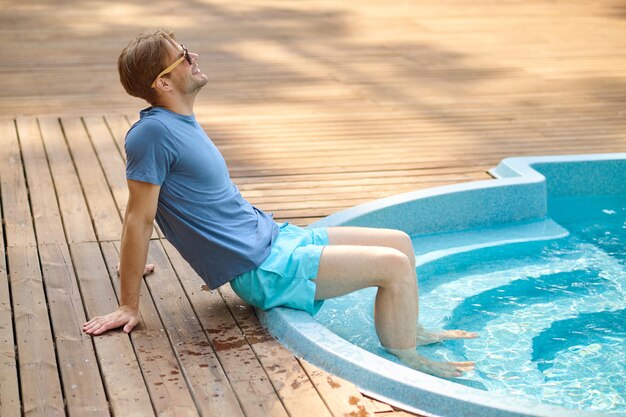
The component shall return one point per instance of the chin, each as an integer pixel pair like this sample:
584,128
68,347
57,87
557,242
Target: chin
202,81
197,85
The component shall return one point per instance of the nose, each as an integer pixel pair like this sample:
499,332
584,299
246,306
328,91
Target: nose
194,56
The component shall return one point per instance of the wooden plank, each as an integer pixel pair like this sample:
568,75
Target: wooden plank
357,167
17,217
38,371
391,171
74,212
363,181
246,375
287,376
104,213
169,394
81,379
199,364
320,211
348,195
123,379
9,384
118,125
43,202
341,397
383,409
258,398
110,159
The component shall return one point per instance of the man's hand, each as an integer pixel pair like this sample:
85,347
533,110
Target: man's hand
123,316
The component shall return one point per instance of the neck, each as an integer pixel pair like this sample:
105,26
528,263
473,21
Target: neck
178,104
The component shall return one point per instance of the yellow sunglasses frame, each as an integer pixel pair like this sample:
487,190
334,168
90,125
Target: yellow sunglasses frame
171,67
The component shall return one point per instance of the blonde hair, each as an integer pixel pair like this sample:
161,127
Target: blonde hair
142,60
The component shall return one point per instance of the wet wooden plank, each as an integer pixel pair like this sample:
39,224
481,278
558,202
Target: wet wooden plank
159,365
246,375
377,406
287,376
258,398
199,364
341,397
104,213
123,378
74,211
40,385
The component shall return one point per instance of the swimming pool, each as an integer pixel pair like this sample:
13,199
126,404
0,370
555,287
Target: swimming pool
534,261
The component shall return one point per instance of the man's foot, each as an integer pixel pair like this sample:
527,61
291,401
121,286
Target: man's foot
427,337
441,369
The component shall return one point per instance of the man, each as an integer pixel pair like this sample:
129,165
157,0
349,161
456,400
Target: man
177,175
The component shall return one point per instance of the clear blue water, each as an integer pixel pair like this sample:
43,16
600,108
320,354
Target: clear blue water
552,319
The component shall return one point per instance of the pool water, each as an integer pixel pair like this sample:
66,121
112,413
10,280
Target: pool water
552,315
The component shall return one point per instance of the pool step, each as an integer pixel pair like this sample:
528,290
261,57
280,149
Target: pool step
475,311
582,330
429,248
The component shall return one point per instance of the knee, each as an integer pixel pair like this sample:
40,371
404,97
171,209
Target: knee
400,273
404,243
404,237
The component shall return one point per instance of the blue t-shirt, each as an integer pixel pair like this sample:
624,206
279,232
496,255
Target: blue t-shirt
200,210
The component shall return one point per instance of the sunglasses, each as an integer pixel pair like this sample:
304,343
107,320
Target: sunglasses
169,69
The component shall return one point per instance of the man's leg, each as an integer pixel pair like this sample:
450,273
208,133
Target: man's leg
347,268
369,236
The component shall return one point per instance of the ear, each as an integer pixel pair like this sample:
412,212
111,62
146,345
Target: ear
163,84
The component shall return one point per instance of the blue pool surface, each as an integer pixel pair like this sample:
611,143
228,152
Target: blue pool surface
534,261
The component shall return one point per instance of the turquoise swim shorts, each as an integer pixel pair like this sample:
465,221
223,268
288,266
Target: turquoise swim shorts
286,277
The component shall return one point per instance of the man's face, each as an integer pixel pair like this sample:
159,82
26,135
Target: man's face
187,78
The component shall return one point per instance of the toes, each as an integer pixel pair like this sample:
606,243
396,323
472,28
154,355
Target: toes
459,334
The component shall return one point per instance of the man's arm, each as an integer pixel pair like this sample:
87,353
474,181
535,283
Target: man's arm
140,211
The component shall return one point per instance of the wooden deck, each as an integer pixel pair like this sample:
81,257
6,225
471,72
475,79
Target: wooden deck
316,106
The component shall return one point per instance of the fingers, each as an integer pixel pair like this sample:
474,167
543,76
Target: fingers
457,334
148,269
463,367
462,364
121,317
467,335
96,326
455,369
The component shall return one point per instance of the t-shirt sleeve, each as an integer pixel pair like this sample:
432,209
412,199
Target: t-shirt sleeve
150,152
